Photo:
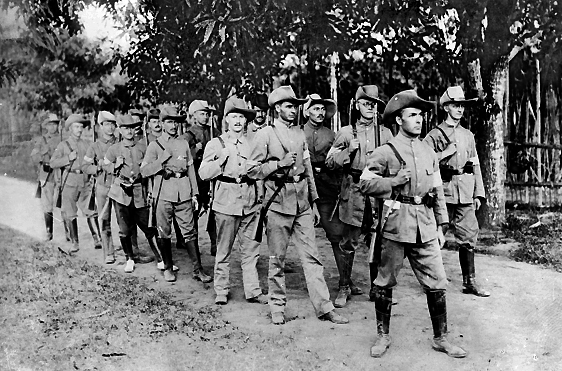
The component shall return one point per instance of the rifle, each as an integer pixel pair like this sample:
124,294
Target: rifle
211,216
92,202
59,196
154,201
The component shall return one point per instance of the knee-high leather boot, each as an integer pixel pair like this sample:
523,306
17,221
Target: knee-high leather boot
466,259
195,256
73,231
49,225
437,305
383,308
344,290
95,231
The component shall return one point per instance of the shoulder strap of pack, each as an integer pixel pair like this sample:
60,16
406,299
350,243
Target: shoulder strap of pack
444,135
397,154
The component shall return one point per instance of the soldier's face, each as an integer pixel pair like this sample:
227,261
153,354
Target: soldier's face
51,127
260,116
127,132
454,110
410,121
366,108
317,113
201,117
170,126
76,129
235,121
287,111
108,127
154,124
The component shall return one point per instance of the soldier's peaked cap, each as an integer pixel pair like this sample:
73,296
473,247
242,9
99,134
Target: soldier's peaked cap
284,94
405,99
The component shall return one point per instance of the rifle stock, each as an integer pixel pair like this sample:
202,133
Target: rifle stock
92,202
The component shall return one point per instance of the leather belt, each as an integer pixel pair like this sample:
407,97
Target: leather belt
291,179
76,171
415,200
130,180
238,180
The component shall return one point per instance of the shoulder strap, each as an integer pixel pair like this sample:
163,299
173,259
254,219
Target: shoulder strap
445,135
397,154
159,144
222,141
68,145
279,139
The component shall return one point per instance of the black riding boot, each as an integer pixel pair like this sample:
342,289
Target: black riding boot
95,231
195,256
344,290
155,247
49,225
466,259
73,232
437,305
383,308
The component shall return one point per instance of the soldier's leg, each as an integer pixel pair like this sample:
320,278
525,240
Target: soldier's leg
250,253
212,231
105,206
141,220
180,242
91,215
70,196
329,218
227,226
346,252
466,234
164,215
47,194
186,221
125,219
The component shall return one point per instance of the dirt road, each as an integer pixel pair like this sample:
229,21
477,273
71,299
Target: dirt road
517,328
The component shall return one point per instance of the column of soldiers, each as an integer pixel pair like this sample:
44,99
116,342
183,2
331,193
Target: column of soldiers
283,178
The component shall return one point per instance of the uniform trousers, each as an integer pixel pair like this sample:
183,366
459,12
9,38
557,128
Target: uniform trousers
103,209
47,196
425,259
280,229
183,212
334,227
129,217
228,227
74,198
463,222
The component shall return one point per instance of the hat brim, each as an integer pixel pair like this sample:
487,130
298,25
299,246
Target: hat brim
415,102
85,123
49,121
250,114
372,99
295,101
330,105
444,102
131,124
175,118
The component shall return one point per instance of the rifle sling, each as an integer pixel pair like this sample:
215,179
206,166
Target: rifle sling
444,135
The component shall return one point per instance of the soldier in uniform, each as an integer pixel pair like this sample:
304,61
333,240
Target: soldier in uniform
198,135
259,103
41,154
129,190
168,159
462,181
319,139
405,173
236,200
281,158
153,118
352,147
76,190
92,165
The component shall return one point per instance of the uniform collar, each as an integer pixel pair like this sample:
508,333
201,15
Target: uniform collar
103,140
280,124
314,126
129,143
229,137
447,124
256,127
167,136
404,139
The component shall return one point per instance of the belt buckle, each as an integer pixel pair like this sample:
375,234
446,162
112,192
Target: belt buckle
238,180
296,178
318,169
417,200
177,175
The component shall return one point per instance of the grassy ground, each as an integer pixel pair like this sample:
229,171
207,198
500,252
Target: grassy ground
61,313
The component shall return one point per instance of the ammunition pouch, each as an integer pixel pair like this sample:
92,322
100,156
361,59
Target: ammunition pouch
47,168
468,168
447,172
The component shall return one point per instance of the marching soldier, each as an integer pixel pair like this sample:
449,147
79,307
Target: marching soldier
75,188
139,130
198,135
462,181
236,200
153,117
48,179
169,160
260,121
129,190
281,158
351,149
405,173
328,182
92,165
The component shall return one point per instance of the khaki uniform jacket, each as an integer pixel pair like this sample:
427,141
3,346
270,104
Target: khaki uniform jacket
352,201
44,148
294,198
406,220
462,189
133,153
319,140
94,157
230,198
60,159
173,189
151,137
252,129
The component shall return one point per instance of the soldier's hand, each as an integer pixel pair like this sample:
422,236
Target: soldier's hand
199,146
119,161
316,214
165,156
402,177
354,145
477,203
450,150
195,203
72,156
440,237
288,160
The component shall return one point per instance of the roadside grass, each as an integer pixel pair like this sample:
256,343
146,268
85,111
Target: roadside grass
60,313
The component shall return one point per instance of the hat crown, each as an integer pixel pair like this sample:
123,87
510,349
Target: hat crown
233,103
153,113
283,93
128,120
455,93
260,100
405,99
314,99
199,105
105,116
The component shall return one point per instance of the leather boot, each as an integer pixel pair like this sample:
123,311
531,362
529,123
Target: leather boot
437,305
339,262
155,247
383,308
343,294
166,251
466,259
373,273
49,225
354,289
66,225
198,272
73,231
95,231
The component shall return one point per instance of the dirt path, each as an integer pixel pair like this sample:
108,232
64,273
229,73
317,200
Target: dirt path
516,329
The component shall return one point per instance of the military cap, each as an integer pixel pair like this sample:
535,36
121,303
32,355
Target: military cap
316,99
128,121
260,101
369,92
76,117
136,112
454,94
199,105
153,114
171,112
284,94
405,99
105,116
51,118
234,104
